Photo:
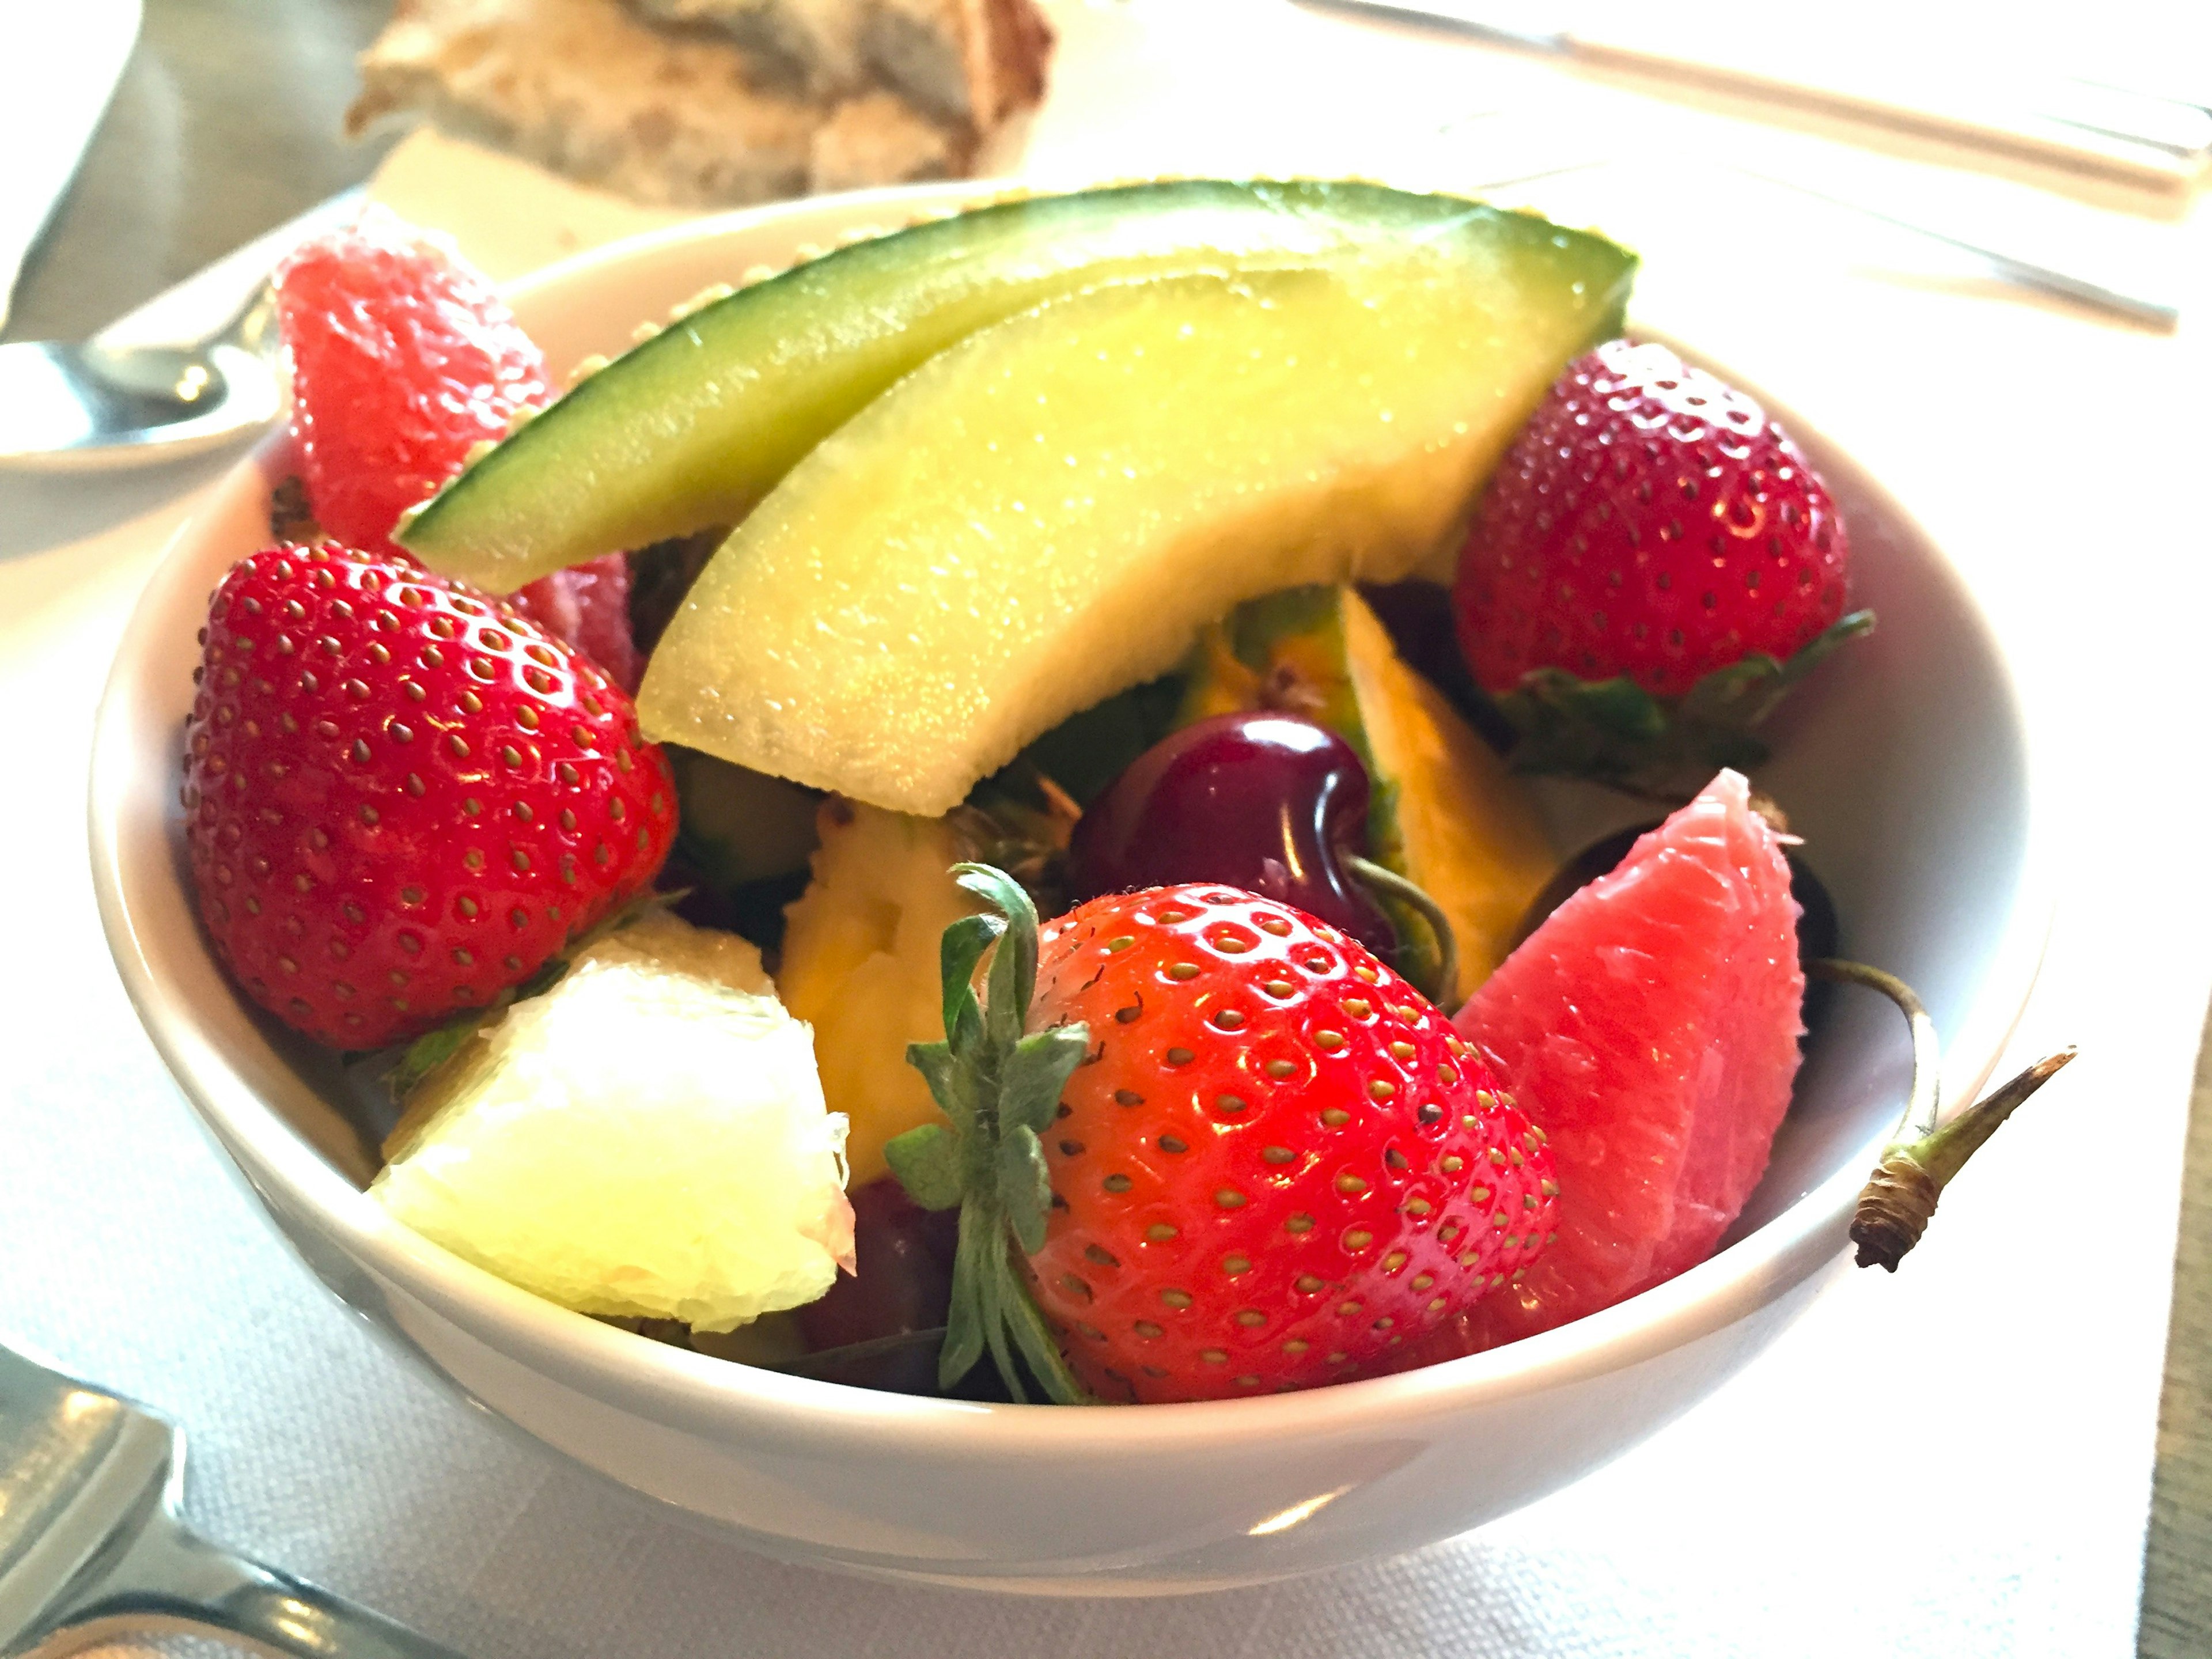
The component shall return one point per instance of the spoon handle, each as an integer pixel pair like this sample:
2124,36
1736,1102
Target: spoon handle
170,1577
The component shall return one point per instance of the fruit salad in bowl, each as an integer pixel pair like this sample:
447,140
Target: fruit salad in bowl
1162,843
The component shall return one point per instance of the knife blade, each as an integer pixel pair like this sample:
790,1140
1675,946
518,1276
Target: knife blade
2013,108
58,68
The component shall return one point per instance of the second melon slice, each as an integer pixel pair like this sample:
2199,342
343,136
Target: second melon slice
1051,510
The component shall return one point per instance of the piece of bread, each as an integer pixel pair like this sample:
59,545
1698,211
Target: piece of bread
814,43
975,62
876,138
681,114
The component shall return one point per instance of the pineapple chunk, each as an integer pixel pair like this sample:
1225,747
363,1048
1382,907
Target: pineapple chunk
1459,823
647,1138
1051,509
860,964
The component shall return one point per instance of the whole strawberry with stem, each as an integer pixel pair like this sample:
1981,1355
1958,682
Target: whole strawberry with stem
1654,564
402,799
1219,1150
405,360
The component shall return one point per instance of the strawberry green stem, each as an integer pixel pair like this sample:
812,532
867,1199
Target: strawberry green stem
1390,884
1614,733
1899,1197
999,1087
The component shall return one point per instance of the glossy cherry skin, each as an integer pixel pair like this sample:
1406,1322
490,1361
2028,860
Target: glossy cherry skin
904,1283
1267,802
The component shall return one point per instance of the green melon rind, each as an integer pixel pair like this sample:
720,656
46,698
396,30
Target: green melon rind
695,425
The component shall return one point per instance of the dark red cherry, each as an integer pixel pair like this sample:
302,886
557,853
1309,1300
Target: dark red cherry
905,1283
1264,801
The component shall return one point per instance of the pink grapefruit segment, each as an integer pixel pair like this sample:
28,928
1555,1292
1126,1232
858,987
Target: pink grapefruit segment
1649,1027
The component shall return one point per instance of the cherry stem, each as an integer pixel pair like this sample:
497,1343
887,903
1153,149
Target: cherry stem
1925,1104
1898,1199
1390,884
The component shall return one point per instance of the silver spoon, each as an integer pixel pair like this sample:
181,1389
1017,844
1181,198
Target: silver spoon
91,1544
65,404
103,402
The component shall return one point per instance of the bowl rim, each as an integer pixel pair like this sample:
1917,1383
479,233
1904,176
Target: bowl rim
680,1386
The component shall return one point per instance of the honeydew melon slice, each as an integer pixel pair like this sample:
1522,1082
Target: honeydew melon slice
1051,509
694,426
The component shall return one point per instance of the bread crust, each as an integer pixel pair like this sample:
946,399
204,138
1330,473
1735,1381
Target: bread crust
679,111
976,62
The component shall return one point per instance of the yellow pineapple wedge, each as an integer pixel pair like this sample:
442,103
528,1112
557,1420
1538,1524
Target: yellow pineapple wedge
1452,817
647,1138
860,964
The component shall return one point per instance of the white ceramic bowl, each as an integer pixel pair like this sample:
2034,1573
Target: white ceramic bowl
1924,829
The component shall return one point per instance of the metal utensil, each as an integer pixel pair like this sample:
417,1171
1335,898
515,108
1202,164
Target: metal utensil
2145,310
2146,139
90,1539
2129,304
105,403
58,68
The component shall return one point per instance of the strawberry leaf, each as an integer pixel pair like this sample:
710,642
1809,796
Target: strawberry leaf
1000,1087
998,1283
1615,732
1013,968
431,1050
1024,1186
1034,1338
958,952
1035,1072
946,1080
927,1164
966,1318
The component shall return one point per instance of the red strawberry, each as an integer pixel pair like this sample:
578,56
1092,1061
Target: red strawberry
402,798
1268,1159
404,359
588,604
1649,526
1651,522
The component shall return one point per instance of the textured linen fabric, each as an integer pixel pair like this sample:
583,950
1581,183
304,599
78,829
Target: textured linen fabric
1953,1460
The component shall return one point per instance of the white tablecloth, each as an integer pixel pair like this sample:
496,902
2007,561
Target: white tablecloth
1953,1461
